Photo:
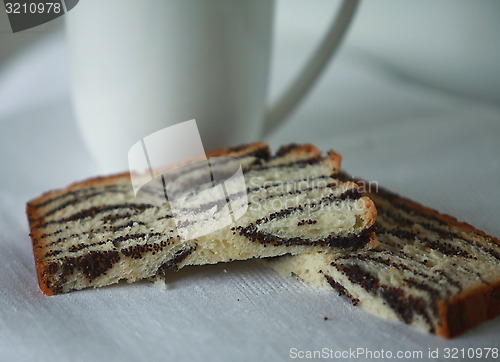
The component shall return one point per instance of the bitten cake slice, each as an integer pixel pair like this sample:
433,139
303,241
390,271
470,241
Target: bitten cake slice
96,232
429,271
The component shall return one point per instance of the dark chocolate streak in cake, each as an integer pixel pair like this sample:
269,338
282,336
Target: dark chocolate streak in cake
434,292
373,284
76,201
53,253
92,265
81,193
441,246
351,194
103,229
46,235
341,290
96,263
295,164
173,263
78,247
116,242
358,275
378,257
431,291
111,218
252,233
405,306
252,230
93,211
447,248
396,203
408,235
327,200
135,252
442,233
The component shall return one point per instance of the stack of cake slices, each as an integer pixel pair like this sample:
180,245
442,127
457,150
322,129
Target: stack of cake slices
308,219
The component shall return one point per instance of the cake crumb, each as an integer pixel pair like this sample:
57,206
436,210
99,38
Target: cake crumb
160,282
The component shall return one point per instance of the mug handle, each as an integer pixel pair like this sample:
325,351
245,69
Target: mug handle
313,68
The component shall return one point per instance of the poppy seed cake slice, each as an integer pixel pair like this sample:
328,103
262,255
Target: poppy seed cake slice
429,271
96,233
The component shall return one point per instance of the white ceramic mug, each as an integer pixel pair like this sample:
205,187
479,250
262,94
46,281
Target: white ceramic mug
139,66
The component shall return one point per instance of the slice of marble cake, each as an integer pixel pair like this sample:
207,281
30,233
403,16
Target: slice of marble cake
96,232
429,271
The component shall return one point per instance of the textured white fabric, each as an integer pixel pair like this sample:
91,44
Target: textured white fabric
437,148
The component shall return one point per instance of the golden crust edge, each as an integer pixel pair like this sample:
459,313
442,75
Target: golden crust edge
468,310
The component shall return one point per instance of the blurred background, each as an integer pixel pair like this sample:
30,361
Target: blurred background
447,43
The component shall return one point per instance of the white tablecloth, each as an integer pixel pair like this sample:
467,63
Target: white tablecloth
436,147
